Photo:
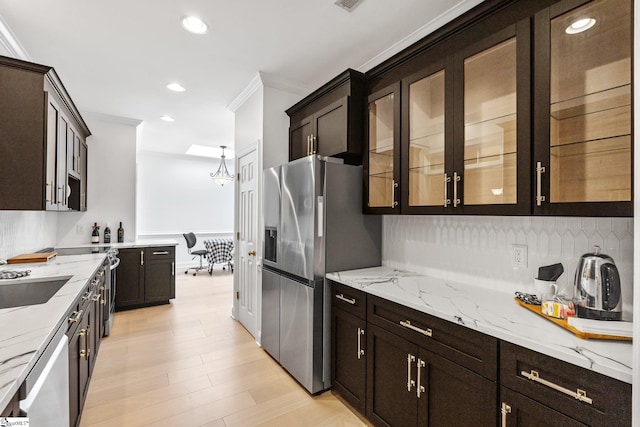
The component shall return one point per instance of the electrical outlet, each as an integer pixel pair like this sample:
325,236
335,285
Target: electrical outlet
519,256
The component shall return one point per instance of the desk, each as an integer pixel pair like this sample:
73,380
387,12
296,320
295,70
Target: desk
219,251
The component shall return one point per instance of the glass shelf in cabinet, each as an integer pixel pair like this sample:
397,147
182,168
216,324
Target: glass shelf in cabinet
608,99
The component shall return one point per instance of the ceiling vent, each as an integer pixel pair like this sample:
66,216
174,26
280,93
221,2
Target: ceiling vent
348,5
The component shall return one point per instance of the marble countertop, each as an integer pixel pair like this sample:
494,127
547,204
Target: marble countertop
131,244
492,312
26,331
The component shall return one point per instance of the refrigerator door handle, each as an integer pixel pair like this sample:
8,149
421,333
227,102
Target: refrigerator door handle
320,216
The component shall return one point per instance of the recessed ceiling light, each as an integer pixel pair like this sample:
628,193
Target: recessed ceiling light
194,25
176,87
580,25
167,118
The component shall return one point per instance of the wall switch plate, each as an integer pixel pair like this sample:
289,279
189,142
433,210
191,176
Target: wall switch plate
519,256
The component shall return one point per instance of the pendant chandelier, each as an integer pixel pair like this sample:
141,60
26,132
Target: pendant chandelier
222,175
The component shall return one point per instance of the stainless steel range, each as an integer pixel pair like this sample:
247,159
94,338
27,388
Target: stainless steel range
114,261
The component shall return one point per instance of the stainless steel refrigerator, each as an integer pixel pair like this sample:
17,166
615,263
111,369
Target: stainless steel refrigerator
313,224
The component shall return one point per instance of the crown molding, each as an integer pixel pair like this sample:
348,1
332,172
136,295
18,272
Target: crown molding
9,41
261,80
420,33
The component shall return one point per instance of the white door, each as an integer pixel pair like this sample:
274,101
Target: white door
247,270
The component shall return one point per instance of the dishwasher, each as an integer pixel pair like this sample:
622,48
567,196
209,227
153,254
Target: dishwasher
45,392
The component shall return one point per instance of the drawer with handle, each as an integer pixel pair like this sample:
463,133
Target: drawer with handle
471,349
158,253
584,395
349,299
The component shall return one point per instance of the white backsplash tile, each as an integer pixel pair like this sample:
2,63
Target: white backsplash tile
478,248
26,231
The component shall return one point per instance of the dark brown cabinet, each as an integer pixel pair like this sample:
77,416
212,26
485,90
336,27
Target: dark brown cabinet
329,121
534,385
40,125
130,277
519,410
349,344
382,159
146,276
85,330
507,111
422,370
584,109
159,274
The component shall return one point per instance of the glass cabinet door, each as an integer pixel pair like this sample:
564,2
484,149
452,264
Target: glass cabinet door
426,134
590,105
584,146
490,126
383,154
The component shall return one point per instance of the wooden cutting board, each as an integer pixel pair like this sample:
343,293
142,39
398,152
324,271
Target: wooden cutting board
38,257
564,324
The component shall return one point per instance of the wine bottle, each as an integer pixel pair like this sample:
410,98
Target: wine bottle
95,235
120,233
107,234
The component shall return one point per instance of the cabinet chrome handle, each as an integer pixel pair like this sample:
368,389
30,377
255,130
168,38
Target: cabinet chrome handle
86,296
360,350
504,410
173,268
83,335
394,185
407,324
87,342
420,388
410,382
95,298
103,293
539,171
308,144
141,257
75,316
161,253
578,394
447,180
341,297
314,141
48,193
456,180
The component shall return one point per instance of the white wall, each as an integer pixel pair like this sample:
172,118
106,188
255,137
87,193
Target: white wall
276,125
111,188
176,195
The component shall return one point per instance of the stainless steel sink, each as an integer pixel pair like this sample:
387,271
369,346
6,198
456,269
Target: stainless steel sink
30,292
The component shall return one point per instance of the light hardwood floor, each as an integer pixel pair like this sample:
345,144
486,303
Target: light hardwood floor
189,363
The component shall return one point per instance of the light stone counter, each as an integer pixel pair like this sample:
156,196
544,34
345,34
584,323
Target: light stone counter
26,331
131,244
492,312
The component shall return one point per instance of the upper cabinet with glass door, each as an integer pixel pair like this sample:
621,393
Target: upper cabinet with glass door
382,159
428,140
467,132
583,138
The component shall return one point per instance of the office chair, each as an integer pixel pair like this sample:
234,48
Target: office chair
191,242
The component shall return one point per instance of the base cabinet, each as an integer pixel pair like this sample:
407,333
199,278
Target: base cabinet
146,276
535,385
519,410
84,332
349,345
409,385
